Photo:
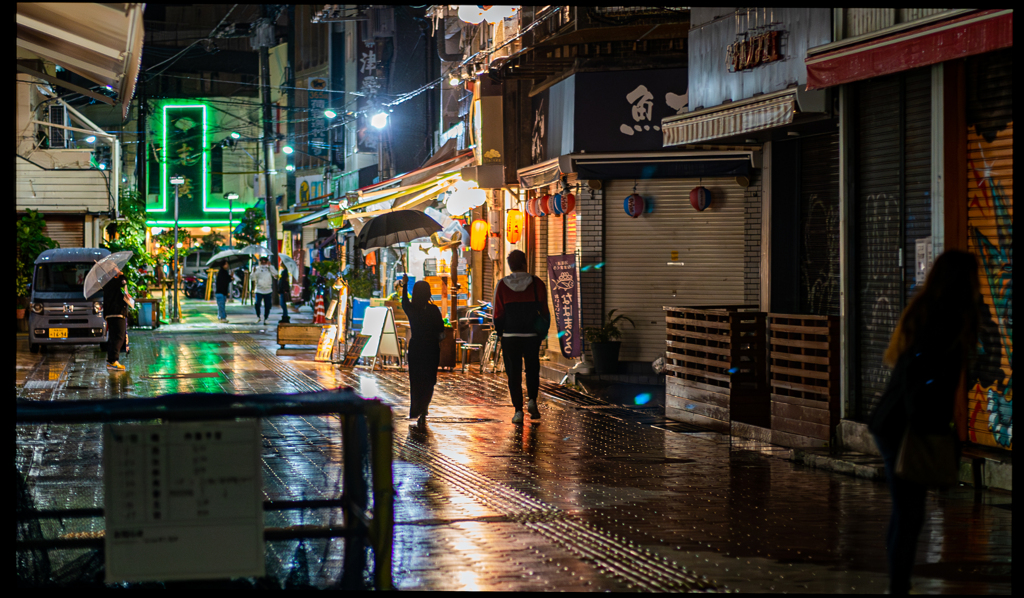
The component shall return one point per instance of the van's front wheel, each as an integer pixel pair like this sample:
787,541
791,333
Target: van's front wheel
33,347
103,347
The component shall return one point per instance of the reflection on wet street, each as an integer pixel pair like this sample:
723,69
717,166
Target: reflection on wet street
584,499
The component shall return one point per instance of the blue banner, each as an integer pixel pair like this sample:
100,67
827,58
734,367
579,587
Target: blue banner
563,282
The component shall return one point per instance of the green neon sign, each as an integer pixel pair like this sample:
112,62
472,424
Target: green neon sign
185,154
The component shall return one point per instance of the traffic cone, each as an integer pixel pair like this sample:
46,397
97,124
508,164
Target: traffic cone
318,311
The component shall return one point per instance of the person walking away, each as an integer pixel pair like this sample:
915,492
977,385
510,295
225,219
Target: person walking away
521,320
424,352
934,343
223,288
115,310
284,290
263,277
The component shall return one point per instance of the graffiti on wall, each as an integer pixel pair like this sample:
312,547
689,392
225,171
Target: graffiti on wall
818,273
990,233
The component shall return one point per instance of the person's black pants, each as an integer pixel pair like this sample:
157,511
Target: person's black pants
115,338
423,361
515,351
284,307
905,522
265,299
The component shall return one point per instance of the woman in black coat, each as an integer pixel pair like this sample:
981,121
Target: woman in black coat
425,347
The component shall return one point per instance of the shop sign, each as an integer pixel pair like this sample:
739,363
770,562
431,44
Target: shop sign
746,54
562,279
310,191
317,103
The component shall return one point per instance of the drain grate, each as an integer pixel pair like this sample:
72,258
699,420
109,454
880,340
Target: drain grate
460,420
36,384
177,376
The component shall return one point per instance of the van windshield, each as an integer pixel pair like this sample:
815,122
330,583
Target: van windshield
66,277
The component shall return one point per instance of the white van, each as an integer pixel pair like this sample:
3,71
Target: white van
59,314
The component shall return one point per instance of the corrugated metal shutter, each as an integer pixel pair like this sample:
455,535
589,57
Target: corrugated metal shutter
877,217
918,167
819,225
638,281
990,237
68,230
893,176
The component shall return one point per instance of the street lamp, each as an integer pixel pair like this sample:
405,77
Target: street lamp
231,197
177,181
379,120
330,113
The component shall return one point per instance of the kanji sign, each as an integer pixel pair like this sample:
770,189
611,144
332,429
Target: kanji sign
563,281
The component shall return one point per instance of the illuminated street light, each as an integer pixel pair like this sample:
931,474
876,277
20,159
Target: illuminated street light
454,81
90,139
379,120
289,168
103,166
235,135
330,113
287,149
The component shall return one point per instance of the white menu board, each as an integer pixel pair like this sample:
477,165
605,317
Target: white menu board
183,501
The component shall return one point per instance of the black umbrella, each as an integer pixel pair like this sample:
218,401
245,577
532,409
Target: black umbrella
396,227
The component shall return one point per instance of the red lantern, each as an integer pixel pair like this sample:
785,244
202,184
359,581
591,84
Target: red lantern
530,206
568,203
544,205
556,204
513,226
700,198
478,235
634,205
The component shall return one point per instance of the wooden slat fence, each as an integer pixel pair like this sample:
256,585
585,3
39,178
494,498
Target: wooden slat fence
804,378
715,366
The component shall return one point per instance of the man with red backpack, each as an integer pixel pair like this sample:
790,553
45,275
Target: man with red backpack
521,321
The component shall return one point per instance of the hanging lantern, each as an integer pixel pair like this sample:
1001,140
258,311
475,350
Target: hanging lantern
513,226
700,198
528,206
544,205
556,204
568,203
478,235
634,205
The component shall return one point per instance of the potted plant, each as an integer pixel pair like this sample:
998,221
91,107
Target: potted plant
30,242
604,343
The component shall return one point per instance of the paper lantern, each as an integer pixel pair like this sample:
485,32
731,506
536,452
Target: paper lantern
568,203
634,205
528,206
700,198
556,204
478,235
513,226
544,205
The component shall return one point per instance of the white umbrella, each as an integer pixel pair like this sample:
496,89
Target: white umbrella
293,268
104,271
223,255
255,250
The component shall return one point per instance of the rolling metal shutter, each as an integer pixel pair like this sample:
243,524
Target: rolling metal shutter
990,237
877,221
65,229
819,225
893,178
638,281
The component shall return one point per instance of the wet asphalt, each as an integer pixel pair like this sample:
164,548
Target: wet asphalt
591,497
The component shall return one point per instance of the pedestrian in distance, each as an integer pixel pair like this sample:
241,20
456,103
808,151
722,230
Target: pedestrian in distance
521,320
424,352
263,277
284,289
223,288
115,311
930,351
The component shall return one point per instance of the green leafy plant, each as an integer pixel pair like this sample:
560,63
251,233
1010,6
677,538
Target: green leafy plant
609,329
252,228
212,242
360,283
130,235
31,241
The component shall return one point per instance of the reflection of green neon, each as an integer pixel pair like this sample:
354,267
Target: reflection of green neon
190,222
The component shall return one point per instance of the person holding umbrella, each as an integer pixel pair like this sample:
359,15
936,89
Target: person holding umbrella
424,348
284,289
264,279
106,275
223,290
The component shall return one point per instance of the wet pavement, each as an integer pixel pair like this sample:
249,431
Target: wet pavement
592,497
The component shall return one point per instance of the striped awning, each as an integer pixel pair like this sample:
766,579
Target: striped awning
731,119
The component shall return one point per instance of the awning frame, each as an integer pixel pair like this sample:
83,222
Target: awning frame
764,112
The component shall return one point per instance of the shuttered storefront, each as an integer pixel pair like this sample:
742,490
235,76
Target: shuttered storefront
989,236
66,229
708,244
892,210
819,225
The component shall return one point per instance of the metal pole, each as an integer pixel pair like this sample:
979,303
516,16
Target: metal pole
177,266
271,208
230,223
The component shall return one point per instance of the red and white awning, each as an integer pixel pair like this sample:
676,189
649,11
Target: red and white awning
968,35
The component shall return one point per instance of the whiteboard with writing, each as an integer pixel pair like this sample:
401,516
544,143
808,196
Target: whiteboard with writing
183,501
379,325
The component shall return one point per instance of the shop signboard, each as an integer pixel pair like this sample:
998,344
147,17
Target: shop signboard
317,103
311,191
562,279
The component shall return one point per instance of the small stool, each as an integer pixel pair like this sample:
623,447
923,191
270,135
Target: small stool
465,350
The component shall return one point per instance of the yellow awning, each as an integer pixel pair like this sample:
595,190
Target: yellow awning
438,186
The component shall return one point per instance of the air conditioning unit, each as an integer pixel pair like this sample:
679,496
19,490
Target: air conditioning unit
59,138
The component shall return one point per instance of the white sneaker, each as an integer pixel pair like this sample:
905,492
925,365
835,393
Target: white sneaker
518,417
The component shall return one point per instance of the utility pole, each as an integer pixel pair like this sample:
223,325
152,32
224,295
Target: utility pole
268,14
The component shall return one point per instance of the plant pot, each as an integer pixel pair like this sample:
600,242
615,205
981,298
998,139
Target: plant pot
21,313
606,356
